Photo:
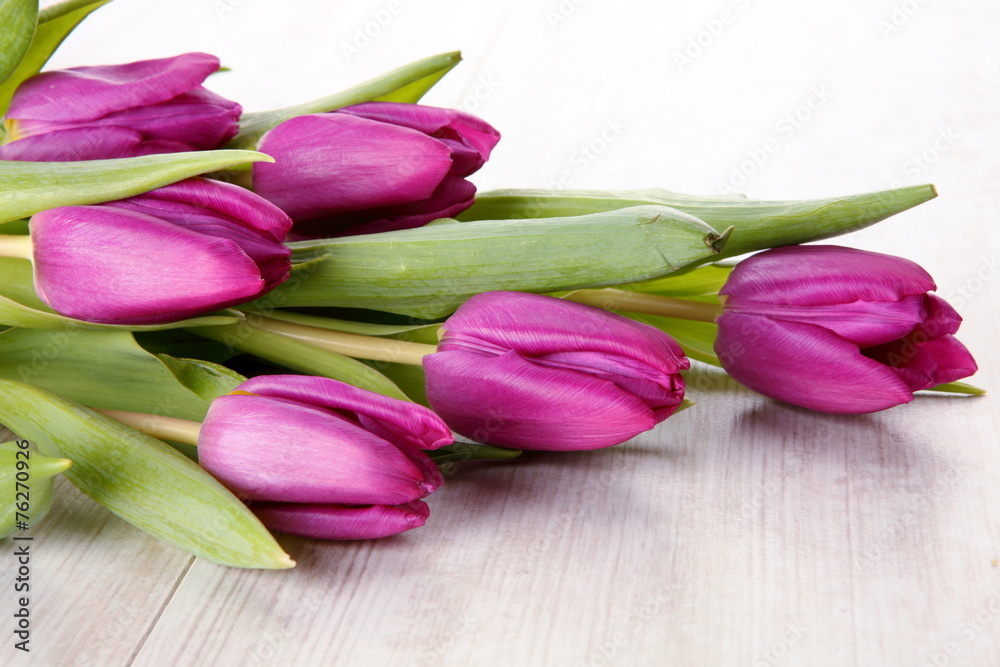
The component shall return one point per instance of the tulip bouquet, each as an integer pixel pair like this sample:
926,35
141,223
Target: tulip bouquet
219,324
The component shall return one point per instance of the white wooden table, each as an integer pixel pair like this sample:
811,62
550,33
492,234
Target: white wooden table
741,532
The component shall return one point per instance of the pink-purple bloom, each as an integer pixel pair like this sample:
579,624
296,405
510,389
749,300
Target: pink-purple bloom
535,372
320,458
837,329
117,111
179,251
373,167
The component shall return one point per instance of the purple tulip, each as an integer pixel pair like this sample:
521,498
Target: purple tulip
321,458
176,252
535,372
837,330
116,111
373,167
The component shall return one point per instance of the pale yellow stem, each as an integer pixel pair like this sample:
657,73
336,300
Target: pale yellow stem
15,245
164,428
648,304
349,344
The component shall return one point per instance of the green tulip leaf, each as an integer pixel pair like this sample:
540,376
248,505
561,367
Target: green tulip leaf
468,451
55,23
428,272
697,339
141,479
29,187
207,380
25,477
702,281
758,224
300,356
19,19
405,84
110,371
21,307
349,326
959,388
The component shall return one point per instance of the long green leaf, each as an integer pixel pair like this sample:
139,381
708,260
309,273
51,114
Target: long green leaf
758,224
363,328
21,307
204,378
430,271
696,338
29,187
302,357
55,23
110,371
141,479
16,31
405,84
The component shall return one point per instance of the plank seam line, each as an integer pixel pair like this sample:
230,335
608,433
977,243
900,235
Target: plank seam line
163,608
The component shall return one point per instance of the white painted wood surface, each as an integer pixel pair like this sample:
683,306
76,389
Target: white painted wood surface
741,532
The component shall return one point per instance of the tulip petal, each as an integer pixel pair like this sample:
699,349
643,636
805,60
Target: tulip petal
451,197
204,199
470,138
524,405
100,264
484,323
266,448
407,422
98,91
941,318
805,365
663,392
220,209
72,145
864,323
198,118
825,275
923,363
328,164
334,522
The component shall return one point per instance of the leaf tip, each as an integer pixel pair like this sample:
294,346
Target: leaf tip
716,242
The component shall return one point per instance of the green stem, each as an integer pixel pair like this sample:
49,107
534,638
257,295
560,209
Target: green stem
349,344
648,304
164,428
16,245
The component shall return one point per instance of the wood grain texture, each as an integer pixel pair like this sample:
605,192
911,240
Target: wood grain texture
740,532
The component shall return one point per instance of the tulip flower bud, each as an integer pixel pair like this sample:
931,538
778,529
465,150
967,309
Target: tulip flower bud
373,167
117,111
535,372
179,251
837,329
321,458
